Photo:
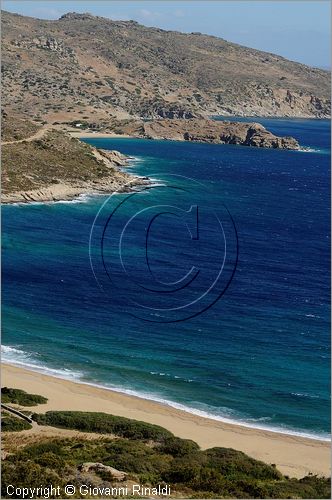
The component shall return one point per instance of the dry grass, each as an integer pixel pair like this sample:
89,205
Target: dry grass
169,75
53,159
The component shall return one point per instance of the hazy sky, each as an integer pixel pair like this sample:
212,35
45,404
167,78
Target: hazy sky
298,30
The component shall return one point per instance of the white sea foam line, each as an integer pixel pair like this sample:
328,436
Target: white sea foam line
135,159
81,198
304,149
75,377
86,197
26,361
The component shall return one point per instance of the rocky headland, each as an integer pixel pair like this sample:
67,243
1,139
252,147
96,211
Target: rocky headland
43,163
218,132
51,166
194,130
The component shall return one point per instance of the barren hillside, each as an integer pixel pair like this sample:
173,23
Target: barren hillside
88,67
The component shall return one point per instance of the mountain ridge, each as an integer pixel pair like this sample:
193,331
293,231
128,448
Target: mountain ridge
88,65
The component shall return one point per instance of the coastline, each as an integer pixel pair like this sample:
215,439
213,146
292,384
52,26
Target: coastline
122,181
295,456
247,134
105,135
66,192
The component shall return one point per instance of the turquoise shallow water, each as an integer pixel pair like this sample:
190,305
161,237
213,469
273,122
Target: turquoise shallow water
259,356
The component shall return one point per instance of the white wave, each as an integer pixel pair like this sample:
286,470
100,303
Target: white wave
13,356
304,149
82,198
236,420
304,395
135,159
18,357
23,203
169,375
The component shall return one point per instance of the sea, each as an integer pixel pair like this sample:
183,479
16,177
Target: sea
206,290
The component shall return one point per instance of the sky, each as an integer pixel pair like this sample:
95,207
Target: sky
298,30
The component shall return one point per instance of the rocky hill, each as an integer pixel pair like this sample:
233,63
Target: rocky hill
213,132
87,67
51,165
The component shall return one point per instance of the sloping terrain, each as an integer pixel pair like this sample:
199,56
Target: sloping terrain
88,67
51,165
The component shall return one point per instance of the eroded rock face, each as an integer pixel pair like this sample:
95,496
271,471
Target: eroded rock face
115,474
117,158
174,113
47,43
258,136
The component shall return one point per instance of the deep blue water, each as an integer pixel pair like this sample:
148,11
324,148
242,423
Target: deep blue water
259,355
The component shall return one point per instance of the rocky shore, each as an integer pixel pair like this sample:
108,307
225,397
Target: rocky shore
52,166
194,130
66,192
218,132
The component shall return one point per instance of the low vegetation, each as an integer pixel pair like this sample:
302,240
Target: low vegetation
20,397
16,128
190,472
56,70
52,159
103,423
10,423
148,454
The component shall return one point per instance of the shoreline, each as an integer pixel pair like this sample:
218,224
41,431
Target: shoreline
168,403
294,455
80,134
67,193
122,182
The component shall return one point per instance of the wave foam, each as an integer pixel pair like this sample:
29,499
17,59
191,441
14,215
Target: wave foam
24,359
14,356
82,198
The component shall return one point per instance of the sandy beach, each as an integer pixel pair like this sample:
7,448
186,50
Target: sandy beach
81,134
293,455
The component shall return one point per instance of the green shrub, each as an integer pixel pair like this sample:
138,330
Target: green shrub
20,397
182,472
9,423
232,462
51,460
216,473
135,457
103,423
211,480
27,475
307,487
178,447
